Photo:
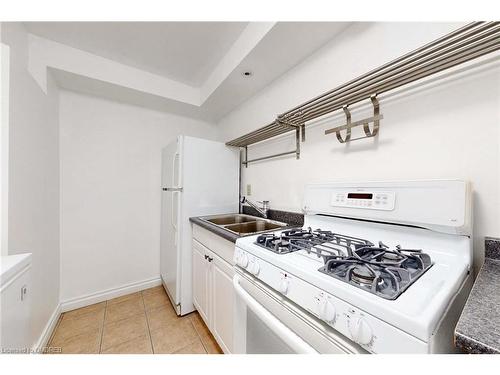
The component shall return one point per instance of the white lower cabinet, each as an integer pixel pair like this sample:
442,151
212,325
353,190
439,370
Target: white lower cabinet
213,292
201,276
15,306
222,297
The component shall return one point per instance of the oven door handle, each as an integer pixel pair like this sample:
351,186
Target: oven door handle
282,331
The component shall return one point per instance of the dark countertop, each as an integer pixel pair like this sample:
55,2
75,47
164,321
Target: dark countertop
478,329
293,219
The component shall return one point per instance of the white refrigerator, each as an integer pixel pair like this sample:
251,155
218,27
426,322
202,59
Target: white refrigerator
199,177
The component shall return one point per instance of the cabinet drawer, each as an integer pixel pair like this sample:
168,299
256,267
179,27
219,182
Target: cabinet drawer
223,248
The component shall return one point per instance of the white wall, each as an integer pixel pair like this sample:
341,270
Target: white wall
110,191
33,177
447,129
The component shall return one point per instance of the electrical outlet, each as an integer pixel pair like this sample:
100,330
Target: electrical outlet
249,189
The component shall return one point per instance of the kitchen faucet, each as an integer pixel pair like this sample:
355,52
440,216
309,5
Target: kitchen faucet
265,206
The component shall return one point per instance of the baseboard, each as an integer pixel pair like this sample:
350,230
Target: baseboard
47,331
90,299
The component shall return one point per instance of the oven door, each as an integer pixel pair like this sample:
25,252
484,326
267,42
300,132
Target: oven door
267,323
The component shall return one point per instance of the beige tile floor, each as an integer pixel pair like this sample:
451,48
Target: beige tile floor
137,323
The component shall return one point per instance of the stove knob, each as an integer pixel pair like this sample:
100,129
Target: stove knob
254,268
327,311
361,332
283,287
243,260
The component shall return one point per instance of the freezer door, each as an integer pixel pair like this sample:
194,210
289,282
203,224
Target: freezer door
170,224
171,176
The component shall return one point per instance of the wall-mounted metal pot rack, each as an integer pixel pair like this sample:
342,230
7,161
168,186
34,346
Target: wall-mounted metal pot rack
464,44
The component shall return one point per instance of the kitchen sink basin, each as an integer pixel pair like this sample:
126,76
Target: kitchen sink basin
231,219
242,225
253,227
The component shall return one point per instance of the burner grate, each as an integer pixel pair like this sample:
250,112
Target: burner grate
377,269
386,273
322,243
337,245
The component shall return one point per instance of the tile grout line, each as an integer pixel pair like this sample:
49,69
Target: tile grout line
147,323
129,317
107,305
199,336
124,318
102,327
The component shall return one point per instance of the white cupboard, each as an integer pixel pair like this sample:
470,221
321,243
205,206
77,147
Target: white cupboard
222,296
213,287
201,280
15,306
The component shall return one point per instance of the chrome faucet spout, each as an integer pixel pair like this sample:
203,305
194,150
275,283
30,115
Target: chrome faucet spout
261,210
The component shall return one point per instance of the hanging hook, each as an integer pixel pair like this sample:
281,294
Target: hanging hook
347,125
376,117
365,122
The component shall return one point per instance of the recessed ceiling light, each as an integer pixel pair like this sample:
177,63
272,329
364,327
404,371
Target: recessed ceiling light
247,73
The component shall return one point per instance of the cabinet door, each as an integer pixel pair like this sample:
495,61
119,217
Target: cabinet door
201,280
15,312
222,297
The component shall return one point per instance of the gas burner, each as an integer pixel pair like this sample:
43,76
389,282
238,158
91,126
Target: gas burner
410,259
391,257
362,275
284,242
385,273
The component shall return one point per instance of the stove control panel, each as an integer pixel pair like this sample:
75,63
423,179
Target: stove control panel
376,200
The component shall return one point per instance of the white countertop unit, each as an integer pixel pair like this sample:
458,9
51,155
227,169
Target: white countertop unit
10,266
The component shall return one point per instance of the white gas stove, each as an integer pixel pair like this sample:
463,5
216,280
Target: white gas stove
377,267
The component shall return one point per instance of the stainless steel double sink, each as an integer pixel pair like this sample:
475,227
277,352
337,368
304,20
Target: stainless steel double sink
243,225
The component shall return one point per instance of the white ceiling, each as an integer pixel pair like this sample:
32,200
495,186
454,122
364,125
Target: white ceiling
197,66
186,52
284,47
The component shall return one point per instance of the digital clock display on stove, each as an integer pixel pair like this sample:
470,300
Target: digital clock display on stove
360,196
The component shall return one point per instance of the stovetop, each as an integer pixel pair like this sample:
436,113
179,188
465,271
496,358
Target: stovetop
377,269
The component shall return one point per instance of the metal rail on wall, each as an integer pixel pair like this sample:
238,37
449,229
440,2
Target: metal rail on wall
464,44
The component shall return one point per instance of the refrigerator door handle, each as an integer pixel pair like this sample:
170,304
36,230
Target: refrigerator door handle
174,216
174,159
